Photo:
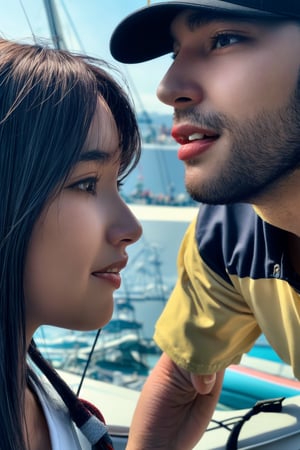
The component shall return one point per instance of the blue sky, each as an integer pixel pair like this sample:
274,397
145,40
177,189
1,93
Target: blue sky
94,21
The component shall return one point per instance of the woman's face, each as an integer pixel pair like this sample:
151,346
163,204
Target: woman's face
78,245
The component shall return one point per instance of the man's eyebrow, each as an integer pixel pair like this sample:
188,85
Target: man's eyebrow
96,155
198,19
195,20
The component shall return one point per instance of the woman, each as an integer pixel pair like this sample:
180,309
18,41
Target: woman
68,135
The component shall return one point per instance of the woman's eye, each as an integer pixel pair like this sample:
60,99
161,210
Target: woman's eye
225,40
89,185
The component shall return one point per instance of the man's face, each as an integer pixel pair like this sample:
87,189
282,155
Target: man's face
234,89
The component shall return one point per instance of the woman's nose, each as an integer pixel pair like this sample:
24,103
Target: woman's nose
181,87
127,229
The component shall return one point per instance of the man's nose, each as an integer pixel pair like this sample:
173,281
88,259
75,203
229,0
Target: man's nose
181,86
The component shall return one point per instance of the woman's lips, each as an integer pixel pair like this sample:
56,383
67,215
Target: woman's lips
194,141
113,278
111,273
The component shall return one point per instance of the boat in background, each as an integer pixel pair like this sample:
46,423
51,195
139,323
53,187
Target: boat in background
243,386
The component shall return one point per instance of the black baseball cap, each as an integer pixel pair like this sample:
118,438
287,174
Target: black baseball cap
145,34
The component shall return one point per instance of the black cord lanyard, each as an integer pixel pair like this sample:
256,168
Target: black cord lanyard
272,405
88,361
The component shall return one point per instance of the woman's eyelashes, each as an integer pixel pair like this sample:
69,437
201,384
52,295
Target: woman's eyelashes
88,185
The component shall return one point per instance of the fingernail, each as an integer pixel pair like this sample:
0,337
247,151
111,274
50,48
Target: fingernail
208,379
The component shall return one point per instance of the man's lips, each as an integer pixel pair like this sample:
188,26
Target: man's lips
194,141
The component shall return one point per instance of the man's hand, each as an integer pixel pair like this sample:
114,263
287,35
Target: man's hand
174,408
203,384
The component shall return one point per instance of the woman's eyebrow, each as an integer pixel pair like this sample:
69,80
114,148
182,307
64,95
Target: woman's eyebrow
96,155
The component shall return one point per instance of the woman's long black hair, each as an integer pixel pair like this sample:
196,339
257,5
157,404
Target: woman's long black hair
47,102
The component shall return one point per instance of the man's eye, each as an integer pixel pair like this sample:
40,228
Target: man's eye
225,40
175,51
174,54
89,185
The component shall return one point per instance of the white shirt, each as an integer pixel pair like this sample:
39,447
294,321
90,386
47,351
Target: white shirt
64,434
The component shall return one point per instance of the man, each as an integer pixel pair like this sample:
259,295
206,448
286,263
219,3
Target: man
235,89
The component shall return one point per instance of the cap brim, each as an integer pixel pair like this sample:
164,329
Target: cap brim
145,34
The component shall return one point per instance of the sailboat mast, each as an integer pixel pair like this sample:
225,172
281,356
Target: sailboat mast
54,25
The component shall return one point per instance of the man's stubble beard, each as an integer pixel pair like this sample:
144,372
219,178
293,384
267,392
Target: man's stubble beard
264,150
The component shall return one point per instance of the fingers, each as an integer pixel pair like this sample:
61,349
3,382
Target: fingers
209,379
203,383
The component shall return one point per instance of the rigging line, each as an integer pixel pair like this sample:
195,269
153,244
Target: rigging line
148,119
160,156
88,361
54,25
71,22
28,21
